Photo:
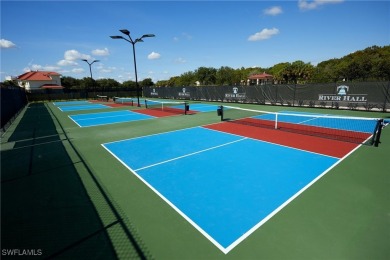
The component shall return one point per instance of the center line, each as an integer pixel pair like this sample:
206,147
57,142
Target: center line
190,154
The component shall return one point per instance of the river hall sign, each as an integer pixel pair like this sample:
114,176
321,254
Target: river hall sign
343,96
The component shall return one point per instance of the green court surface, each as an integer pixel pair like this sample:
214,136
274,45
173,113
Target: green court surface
64,196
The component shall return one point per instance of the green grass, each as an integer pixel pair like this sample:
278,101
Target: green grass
71,198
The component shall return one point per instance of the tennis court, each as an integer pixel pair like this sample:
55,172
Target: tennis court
219,176
104,118
200,107
195,187
88,106
72,103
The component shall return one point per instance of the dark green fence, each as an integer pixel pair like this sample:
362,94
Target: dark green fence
347,95
12,101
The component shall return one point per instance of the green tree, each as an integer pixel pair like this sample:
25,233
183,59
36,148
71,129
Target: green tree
9,83
278,71
148,82
129,84
186,79
69,82
88,84
107,84
206,76
226,76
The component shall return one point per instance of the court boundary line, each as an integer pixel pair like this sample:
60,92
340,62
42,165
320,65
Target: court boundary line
288,201
105,112
122,115
138,137
173,206
276,143
191,154
131,112
83,106
81,102
264,220
259,224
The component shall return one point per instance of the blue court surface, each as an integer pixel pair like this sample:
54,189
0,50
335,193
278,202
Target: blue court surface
365,125
104,118
203,107
71,103
88,106
225,185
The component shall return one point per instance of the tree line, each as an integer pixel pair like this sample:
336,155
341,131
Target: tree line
370,64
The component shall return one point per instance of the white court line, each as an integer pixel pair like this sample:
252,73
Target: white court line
93,118
190,154
181,213
197,227
285,146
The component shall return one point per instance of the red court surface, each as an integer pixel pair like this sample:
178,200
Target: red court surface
120,105
160,113
314,144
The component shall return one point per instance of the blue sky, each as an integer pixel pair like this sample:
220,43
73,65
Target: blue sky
56,35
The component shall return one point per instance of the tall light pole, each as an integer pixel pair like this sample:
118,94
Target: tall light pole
90,70
130,40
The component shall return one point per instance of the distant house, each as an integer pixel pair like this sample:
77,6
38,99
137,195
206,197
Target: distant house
260,79
39,80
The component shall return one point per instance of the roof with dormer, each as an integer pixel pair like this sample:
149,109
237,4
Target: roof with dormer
38,75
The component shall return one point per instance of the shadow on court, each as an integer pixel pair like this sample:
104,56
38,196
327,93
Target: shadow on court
51,205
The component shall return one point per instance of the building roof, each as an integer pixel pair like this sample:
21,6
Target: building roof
261,76
38,75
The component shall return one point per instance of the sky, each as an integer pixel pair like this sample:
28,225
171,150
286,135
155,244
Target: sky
57,35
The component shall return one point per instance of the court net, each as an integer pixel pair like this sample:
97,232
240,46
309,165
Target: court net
167,106
348,129
102,98
124,101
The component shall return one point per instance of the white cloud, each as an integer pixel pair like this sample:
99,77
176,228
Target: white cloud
275,10
78,70
180,60
51,68
154,56
101,52
35,67
72,55
310,5
264,34
107,70
184,36
5,44
67,63
70,58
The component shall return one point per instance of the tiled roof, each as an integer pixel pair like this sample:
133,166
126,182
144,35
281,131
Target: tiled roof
261,76
38,75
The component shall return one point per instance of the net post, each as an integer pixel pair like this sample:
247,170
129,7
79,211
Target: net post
186,107
276,120
378,132
146,104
